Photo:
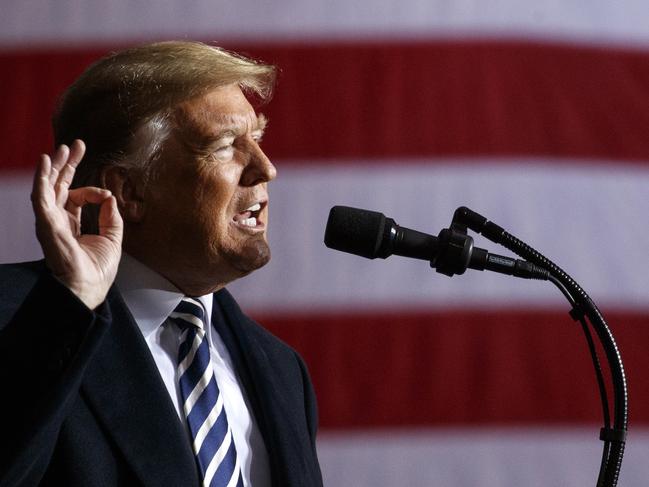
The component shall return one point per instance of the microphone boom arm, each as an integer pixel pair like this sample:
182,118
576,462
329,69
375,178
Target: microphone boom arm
371,234
614,438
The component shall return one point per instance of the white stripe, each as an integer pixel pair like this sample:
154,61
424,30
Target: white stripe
189,318
468,457
198,390
187,361
602,21
193,301
237,473
208,423
217,459
20,243
586,217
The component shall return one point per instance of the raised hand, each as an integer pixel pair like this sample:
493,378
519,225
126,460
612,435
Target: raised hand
86,264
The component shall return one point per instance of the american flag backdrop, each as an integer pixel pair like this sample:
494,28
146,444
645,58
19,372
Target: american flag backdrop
535,114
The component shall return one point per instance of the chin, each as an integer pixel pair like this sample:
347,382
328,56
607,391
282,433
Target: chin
252,257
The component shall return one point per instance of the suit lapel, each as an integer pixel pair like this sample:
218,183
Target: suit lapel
124,388
254,368
226,323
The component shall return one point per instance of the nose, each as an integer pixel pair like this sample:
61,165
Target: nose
259,168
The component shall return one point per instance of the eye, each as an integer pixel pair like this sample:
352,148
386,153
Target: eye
225,152
224,148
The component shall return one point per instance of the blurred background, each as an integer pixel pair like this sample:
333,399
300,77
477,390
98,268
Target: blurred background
534,114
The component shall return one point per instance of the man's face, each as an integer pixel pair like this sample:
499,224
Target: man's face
206,207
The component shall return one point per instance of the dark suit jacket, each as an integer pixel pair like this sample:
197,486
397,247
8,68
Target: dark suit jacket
84,405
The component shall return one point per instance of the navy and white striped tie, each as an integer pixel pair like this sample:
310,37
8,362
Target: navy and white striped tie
202,401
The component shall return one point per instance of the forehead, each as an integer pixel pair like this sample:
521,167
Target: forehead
223,108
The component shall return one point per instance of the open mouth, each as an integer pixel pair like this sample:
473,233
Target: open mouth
250,216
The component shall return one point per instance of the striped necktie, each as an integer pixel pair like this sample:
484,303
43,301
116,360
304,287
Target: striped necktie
202,401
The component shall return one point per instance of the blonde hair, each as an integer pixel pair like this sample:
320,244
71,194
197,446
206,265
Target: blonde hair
127,96
120,105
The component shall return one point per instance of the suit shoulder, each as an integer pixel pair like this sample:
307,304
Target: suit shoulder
251,327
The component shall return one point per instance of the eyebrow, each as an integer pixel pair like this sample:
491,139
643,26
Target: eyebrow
262,123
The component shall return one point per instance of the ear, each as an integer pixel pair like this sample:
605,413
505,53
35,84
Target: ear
128,188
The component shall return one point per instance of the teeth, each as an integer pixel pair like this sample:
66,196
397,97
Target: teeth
249,222
255,207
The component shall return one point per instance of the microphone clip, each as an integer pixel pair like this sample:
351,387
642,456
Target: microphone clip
454,251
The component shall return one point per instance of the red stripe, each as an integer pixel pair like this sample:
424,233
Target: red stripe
387,100
464,367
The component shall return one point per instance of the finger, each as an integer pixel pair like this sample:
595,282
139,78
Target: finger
62,186
41,183
82,196
66,173
74,213
77,150
111,225
59,160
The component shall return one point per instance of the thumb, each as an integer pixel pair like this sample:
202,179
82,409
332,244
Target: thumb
110,222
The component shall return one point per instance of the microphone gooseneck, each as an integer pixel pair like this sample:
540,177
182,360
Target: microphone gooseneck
371,234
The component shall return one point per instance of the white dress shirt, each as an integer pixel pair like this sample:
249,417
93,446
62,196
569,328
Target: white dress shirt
151,299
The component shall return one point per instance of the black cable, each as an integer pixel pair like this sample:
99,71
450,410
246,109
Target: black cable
613,460
593,352
614,439
603,465
603,396
598,373
563,290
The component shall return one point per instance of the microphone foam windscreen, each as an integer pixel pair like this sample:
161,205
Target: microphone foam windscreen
355,231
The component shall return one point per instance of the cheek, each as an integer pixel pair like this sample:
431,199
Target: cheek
213,208
201,201
215,188
213,202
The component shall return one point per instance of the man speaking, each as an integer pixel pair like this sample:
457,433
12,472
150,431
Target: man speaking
123,359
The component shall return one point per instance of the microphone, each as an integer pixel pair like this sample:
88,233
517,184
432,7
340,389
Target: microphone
371,234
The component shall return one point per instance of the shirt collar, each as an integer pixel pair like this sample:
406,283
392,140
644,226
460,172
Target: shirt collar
150,297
